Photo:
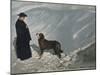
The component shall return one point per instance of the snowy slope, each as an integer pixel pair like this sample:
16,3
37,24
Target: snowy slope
78,59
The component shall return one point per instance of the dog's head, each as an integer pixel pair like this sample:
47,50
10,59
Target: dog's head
40,35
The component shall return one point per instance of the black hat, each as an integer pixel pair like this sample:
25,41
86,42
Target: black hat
22,15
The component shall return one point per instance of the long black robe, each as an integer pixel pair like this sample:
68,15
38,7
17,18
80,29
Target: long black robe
23,50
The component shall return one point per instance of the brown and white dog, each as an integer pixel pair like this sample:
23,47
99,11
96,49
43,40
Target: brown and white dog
48,44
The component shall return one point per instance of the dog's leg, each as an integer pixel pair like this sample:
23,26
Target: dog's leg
57,53
59,47
58,50
41,53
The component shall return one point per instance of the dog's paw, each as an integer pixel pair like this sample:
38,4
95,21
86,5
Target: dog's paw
39,57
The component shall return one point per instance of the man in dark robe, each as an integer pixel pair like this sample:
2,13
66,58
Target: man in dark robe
23,50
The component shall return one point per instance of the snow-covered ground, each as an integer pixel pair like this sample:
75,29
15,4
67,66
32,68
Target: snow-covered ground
72,25
82,58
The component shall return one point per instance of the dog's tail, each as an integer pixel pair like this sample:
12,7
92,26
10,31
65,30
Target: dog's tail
61,51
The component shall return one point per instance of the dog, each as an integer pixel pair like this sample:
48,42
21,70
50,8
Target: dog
48,44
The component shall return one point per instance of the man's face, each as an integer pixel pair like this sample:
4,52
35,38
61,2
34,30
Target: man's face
22,18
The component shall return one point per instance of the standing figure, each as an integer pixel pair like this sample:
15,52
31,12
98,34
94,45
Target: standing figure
23,50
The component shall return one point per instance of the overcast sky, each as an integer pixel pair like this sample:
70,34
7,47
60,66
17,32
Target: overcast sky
69,24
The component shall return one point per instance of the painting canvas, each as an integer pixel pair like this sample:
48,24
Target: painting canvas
52,37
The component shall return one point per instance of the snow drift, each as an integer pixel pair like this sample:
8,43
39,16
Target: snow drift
78,59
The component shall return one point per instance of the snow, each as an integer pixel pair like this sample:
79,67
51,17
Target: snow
50,62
